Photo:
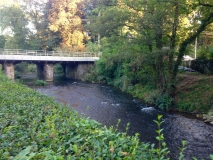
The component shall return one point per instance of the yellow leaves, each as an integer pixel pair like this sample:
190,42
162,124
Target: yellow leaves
72,6
124,153
53,28
185,22
111,149
64,19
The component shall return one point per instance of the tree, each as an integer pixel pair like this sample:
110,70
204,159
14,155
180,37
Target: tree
13,21
65,19
166,28
40,36
2,41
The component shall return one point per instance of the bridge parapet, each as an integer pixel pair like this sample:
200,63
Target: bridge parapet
48,53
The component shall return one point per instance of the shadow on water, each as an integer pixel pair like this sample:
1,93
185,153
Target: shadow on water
108,104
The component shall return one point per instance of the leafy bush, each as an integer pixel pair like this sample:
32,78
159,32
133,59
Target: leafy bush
58,69
24,68
203,66
205,53
164,101
202,53
40,83
31,68
17,74
152,96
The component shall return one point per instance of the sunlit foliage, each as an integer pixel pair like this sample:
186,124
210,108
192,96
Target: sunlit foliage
65,18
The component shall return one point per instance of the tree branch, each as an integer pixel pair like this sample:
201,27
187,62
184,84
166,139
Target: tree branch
205,4
204,23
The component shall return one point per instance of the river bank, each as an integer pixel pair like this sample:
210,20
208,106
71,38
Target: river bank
107,104
195,95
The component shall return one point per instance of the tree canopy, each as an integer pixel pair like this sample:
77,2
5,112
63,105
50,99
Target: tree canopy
14,22
65,18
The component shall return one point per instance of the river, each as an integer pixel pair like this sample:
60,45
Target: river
106,104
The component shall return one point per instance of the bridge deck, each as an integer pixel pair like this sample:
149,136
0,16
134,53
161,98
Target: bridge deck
41,55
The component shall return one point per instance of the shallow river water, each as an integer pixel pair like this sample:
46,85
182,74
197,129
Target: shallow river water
107,104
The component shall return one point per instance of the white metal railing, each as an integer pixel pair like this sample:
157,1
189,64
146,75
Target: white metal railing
48,53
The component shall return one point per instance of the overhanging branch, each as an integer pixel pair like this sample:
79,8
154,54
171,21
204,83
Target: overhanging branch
204,23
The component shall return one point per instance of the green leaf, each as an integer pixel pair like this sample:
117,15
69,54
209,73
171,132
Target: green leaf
23,153
75,148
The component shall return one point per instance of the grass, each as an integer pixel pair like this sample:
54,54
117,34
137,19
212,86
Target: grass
195,93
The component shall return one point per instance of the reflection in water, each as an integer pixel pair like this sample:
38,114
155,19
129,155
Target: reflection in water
107,104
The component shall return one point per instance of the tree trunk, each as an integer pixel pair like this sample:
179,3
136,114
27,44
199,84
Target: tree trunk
171,83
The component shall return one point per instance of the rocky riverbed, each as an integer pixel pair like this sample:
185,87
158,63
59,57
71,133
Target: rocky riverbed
198,135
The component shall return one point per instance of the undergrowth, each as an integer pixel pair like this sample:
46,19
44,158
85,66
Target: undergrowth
40,83
197,97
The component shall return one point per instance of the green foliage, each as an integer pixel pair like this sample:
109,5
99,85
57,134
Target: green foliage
164,101
162,150
24,68
13,17
40,83
141,40
92,47
152,96
211,157
31,68
17,74
2,41
205,53
203,66
182,149
58,69
21,67
197,97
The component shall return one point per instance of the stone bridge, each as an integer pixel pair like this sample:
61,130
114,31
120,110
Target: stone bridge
75,64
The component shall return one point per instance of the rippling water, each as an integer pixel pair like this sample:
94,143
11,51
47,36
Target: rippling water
107,104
